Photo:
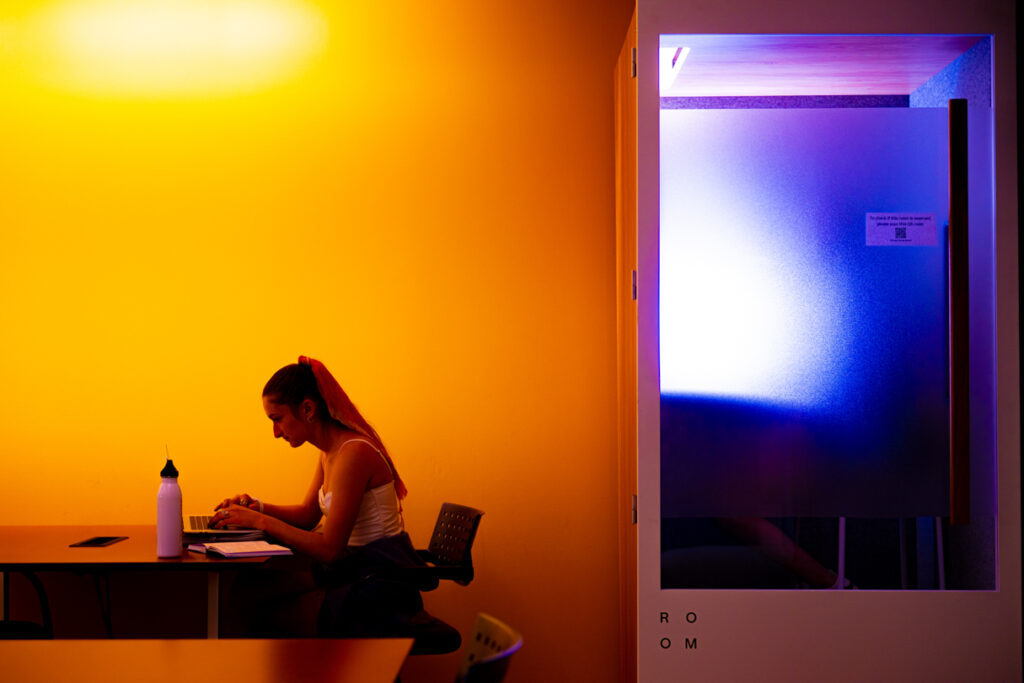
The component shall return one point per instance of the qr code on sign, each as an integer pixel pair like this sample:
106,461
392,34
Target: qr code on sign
901,233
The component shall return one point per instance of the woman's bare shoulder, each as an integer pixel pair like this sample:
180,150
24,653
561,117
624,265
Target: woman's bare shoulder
357,444
360,453
354,452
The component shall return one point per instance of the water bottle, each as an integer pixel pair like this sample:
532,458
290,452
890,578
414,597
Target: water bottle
168,513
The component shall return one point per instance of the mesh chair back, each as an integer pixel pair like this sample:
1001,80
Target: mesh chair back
453,535
489,651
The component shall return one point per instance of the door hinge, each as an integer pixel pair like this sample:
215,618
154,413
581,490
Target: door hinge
634,285
634,62
634,508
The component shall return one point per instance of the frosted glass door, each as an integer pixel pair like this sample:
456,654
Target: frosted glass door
803,352
803,369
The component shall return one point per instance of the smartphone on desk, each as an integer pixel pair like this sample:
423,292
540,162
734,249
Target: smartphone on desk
97,542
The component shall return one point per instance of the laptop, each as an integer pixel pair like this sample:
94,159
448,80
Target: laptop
200,524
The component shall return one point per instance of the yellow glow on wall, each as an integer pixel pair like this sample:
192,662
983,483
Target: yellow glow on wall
176,47
440,237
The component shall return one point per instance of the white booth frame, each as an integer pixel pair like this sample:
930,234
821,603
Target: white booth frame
827,635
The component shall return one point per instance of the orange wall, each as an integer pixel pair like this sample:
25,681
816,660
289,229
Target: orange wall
421,195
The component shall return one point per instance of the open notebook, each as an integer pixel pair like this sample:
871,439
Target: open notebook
240,549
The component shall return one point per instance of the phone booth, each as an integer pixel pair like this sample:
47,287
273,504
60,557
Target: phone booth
817,317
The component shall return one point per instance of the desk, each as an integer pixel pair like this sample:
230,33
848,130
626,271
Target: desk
45,548
172,661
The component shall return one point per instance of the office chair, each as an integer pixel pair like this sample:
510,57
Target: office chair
13,629
448,557
489,651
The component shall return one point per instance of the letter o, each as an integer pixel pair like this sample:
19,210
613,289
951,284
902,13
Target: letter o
665,643
691,617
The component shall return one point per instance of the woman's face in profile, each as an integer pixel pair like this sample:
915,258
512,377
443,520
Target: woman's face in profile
286,425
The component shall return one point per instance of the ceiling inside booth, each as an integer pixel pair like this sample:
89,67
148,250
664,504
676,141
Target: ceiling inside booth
788,65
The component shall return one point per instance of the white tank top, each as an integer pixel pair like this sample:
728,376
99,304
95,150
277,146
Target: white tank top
379,512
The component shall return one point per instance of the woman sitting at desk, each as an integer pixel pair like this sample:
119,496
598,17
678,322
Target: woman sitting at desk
357,492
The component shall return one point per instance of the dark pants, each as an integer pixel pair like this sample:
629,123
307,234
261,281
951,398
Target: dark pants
361,601
294,597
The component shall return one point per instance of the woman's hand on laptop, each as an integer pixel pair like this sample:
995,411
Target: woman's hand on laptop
236,515
243,499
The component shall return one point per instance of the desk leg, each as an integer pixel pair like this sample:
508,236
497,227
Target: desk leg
841,569
212,605
101,582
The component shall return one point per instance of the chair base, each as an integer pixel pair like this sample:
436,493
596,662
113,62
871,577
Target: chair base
432,636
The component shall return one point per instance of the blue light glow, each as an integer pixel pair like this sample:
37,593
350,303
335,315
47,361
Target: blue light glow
803,371
768,291
747,310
